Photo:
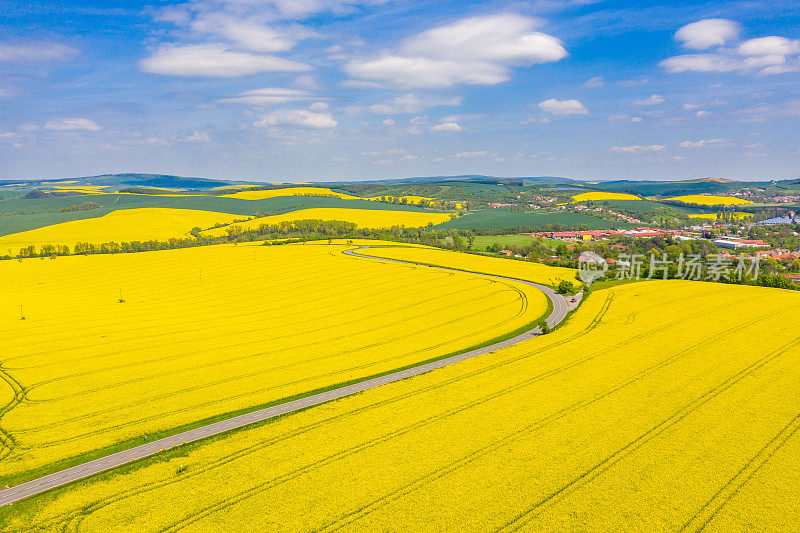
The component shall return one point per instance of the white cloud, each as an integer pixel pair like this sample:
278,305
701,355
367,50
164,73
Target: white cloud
319,106
214,61
623,117
8,135
756,62
298,117
248,34
458,117
173,14
423,72
409,157
764,55
700,63
655,99
247,25
471,155
702,113
305,82
763,112
504,39
198,137
633,83
437,57
781,69
707,33
154,141
388,122
591,83
639,149
447,126
410,103
298,9
35,52
563,107
360,84
72,124
267,96
690,107
772,45
705,143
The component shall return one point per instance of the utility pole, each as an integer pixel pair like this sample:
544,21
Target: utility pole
21,314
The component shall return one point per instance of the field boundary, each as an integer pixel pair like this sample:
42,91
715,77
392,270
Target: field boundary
558,308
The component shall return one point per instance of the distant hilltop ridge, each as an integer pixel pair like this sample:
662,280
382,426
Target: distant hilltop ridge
190,182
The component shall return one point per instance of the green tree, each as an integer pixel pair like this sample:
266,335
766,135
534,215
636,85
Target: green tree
543,326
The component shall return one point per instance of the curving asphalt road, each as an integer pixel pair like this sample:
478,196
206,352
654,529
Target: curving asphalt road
56,479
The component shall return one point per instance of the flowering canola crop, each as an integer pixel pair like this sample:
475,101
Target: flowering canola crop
363,218
739,215
82,189
213,330
527,270
290,191
409,199
141,224
644,412
601,195
707,199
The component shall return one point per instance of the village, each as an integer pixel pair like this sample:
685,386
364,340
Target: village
721,239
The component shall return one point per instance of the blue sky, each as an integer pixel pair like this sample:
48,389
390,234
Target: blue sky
305,90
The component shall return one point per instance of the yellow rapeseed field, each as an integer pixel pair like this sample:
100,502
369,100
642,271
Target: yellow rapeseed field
207,331
600,195
713,216
290,191
141,224
707,199
364,218
644,413
526,270
81,189
410,199
319,191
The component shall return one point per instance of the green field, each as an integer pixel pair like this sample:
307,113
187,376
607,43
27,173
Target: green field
503,218
483,242
270,206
